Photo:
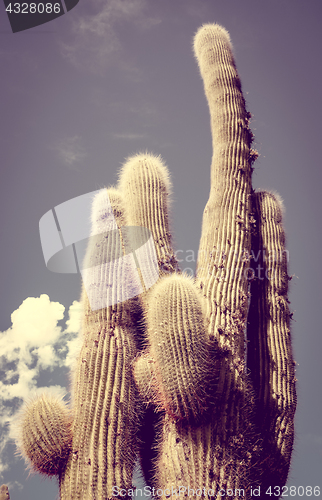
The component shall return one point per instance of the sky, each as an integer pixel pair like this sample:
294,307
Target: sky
112,78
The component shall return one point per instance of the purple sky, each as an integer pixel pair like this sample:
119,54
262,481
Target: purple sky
115,77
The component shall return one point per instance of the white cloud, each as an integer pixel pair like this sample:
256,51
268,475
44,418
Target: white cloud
73,344
70,150
75,318
32,344
95,40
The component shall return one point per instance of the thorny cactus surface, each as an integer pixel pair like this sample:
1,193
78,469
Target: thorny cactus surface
223,420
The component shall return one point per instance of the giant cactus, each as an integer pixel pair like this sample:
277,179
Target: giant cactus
216,368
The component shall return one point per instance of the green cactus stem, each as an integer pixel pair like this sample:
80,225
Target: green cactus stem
216,454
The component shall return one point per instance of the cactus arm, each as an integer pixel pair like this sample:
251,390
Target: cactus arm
225,237
145,185
45,434
143,369
106,416
184,362
269,356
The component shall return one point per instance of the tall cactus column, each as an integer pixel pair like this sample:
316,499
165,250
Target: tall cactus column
145,184
104,396
270,361
225,239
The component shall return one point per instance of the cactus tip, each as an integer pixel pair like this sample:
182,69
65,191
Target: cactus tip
206,35
148,161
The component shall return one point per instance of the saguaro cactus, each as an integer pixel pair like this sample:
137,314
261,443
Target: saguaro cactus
216,366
